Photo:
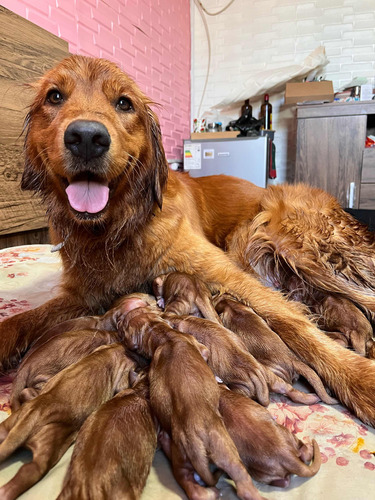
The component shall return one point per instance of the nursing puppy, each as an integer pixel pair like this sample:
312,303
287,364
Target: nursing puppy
114,450
226,355
336,314
266,346
63,345
270,452
48,424
231,362
182,293
43,362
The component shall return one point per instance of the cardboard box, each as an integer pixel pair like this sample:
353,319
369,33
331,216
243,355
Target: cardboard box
208,136
309,92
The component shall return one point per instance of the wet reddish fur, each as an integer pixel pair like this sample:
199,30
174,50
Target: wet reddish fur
42,363
134,241
265,345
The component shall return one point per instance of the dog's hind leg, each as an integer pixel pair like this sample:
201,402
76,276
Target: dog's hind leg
303,232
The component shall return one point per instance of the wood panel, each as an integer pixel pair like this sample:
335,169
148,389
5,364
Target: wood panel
329,153
26,52
368,165
36,237
336,109
367,200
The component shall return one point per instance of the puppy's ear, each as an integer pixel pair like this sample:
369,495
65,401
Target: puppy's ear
205,353
160,164
28,394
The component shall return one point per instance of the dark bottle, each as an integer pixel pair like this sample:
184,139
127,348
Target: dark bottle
266,113
247,109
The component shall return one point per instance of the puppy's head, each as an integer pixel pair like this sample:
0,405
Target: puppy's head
93,141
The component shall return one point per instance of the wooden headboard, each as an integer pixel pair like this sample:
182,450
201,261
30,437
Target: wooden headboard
26,52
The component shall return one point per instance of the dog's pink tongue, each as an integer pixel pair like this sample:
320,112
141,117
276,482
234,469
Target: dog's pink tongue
87,196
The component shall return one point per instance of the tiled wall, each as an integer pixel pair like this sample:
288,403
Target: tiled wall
260,34
149,39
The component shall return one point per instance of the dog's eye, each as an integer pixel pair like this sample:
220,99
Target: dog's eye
55,96
124,104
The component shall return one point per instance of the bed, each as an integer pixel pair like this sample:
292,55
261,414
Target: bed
30,274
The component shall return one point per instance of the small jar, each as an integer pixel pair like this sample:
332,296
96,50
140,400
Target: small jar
211,127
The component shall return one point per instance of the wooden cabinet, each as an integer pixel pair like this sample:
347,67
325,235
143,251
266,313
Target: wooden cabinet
367,192
331,151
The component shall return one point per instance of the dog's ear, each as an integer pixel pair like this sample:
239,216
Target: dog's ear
160,164
31,180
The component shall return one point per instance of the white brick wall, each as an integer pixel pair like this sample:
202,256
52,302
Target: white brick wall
256,34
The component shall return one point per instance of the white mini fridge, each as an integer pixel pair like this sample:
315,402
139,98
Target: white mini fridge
244,157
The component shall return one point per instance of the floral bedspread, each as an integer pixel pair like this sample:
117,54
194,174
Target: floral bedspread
29,276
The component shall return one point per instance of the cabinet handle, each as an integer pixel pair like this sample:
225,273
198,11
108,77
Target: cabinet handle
350,195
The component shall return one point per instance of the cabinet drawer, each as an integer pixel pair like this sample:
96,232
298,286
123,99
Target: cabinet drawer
367,197
368,165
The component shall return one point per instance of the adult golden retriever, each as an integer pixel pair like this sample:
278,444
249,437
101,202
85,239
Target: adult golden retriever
94,152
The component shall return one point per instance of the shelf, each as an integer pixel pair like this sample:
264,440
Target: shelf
336,109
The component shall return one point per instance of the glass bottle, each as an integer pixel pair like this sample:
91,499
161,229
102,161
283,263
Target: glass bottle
247,109
266,113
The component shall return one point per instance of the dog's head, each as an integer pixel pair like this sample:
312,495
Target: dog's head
92,141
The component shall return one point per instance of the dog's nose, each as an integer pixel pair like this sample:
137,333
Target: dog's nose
87,139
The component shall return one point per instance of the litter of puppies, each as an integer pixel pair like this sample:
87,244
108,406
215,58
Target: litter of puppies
197,387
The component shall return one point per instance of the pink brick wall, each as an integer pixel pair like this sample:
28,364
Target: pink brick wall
149,39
